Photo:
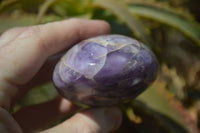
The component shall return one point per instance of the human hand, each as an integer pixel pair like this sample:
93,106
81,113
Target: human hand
25,62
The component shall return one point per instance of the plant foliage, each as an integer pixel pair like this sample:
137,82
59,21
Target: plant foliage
169,28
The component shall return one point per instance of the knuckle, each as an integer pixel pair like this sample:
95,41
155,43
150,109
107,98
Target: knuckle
77,22
31,31
42,45
34,33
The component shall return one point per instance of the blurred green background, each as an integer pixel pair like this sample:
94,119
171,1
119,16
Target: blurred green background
170,28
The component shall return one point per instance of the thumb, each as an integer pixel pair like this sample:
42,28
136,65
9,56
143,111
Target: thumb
98,120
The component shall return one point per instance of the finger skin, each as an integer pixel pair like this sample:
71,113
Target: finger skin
36,43
10,35
23,52
43,76
97,120
23,57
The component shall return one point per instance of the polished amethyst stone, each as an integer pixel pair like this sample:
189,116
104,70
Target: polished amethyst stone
105,70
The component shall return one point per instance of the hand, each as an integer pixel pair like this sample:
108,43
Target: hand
24,63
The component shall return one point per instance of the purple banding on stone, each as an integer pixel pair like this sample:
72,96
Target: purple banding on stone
105,70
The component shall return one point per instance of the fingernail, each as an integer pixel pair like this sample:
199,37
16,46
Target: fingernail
115,117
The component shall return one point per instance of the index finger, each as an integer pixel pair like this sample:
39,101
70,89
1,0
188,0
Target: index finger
22,58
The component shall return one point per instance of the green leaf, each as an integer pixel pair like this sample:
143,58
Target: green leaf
188,27
163,102
10,22
164,5
23,20
43,9
120,10
6,4
143,119
71,8
39,95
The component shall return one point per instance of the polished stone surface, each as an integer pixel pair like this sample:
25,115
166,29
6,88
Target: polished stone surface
105,70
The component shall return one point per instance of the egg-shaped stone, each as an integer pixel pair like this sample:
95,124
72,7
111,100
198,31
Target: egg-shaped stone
105,70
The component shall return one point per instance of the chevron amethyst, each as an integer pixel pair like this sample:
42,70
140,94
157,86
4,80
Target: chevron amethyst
105,70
